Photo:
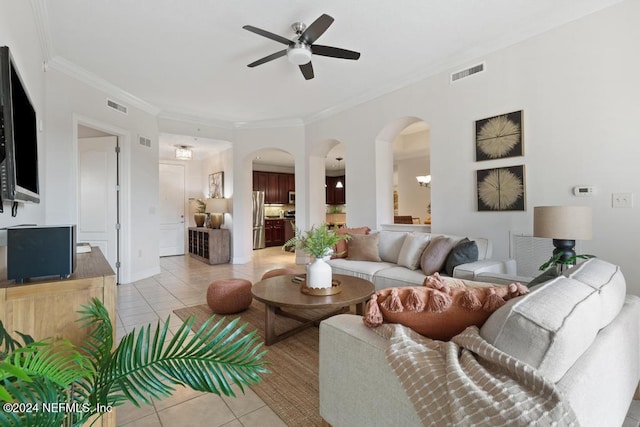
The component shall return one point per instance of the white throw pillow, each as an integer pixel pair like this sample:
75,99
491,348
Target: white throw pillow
412,248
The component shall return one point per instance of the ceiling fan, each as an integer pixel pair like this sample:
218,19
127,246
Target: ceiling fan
300,49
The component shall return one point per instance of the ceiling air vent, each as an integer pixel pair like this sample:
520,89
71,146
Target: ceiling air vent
467,72
143,140
118,107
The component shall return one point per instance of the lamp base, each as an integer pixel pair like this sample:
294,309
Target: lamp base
215,220
566,249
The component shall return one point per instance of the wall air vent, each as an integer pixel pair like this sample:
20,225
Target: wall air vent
143,140
467,72
118,107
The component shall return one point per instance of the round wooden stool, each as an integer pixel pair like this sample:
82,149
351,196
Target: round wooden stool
227,296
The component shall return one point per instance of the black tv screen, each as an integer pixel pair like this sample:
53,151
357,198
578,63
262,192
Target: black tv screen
19,138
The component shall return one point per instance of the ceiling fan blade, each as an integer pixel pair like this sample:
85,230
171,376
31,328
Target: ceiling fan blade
316,29
267,34
307,70
334,52
268,58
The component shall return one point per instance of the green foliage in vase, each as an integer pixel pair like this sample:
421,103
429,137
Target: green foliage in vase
145,365
319,241
201,206
555,260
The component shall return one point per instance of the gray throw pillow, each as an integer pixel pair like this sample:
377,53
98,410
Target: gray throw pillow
465,251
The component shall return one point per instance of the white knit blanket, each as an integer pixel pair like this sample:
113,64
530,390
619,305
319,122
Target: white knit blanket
468,382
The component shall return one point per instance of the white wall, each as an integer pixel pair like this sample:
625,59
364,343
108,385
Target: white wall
580,101
70,102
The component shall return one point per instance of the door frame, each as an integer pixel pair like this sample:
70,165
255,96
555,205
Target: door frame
123,235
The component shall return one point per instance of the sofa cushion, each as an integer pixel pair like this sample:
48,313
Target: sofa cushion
548,329
463,252
398,276
340,250
389,245
435,255
437,313
412,248
363,269
363,247
607,280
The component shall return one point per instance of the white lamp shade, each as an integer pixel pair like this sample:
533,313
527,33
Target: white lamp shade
216,205
562,222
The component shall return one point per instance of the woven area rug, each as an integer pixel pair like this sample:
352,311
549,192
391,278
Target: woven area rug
291,387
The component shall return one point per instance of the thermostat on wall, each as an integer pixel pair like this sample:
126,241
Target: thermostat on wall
583,191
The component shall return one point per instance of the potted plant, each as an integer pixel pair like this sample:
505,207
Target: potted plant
560,263
88,380
200,216
318,242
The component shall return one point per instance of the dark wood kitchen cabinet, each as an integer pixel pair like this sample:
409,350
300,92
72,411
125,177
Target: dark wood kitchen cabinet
276,186
274,232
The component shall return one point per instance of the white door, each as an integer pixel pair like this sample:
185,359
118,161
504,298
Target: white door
97,199
172,201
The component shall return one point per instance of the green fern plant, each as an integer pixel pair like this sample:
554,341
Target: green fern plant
145,365
318,241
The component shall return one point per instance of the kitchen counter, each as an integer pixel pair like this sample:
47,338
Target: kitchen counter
333,219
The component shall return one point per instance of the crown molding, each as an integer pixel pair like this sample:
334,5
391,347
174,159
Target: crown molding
67,67
270,124
195,119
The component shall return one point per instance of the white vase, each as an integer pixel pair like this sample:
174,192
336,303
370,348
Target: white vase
319,274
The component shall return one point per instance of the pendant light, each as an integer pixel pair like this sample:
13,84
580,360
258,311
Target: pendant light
339,184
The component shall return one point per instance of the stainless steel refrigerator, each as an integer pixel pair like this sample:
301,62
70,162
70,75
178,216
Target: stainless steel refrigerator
258,219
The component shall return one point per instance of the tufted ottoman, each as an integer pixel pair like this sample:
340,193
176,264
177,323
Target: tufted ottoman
227,296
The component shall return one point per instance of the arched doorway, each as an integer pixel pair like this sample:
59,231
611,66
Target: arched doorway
273,198
402,154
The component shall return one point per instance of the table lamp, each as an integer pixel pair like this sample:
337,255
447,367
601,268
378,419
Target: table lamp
565,225
216,209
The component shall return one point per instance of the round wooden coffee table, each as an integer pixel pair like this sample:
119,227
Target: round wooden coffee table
282,292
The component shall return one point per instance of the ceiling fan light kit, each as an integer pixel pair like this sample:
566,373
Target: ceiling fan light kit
300,54
300,49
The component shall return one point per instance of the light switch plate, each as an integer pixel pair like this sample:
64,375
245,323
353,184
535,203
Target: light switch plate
622,200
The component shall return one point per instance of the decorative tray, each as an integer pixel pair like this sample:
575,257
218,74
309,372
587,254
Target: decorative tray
336,287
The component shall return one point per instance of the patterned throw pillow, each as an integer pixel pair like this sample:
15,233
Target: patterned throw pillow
438,310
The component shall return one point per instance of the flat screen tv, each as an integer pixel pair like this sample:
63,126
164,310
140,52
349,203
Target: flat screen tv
18,136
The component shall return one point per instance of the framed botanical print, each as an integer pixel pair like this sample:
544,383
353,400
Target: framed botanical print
501,189
216,185
499,137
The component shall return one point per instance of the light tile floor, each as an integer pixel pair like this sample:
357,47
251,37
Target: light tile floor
183,282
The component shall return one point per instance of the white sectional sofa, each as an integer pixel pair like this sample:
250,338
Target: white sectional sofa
581,331
387,273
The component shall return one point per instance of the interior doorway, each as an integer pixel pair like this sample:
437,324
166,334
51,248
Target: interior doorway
98,193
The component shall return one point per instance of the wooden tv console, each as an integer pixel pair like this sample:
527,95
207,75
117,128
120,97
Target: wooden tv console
48,308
